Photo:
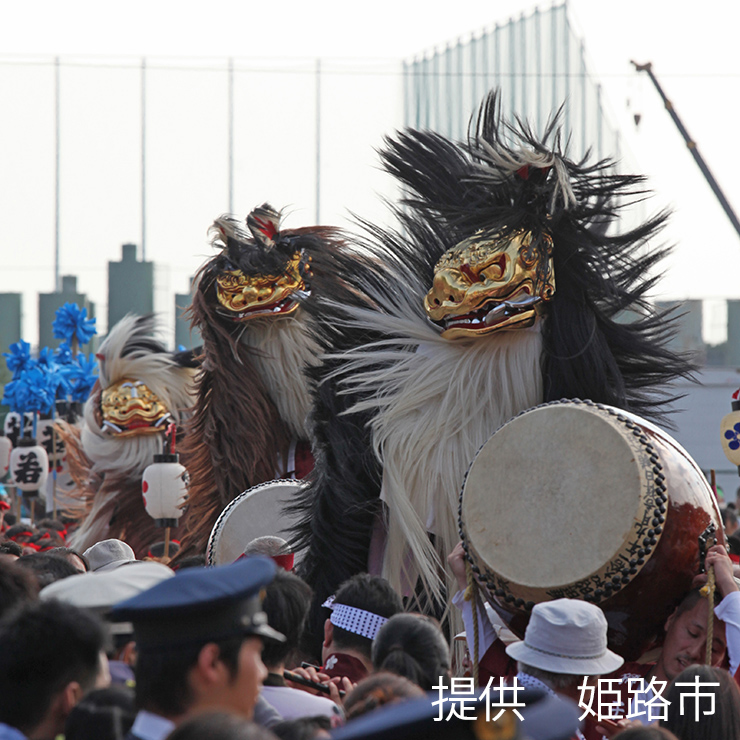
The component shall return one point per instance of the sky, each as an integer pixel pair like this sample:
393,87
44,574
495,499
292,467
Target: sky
275,46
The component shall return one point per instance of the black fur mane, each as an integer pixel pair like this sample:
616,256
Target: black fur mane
451,192
591,349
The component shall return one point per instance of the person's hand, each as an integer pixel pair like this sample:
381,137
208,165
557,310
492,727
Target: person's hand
723,569
334,685
310,674
456,561
340,684
609,727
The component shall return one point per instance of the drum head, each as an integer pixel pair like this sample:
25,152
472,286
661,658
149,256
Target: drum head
257,512
557,503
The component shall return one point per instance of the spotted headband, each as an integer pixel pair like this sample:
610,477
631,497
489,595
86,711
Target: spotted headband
352,619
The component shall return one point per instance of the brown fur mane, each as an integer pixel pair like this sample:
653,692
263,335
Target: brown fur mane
112,502
235,434
86,482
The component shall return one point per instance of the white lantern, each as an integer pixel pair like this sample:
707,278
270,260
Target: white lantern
45,435
13,426
29,465
164,488
5,448
17,425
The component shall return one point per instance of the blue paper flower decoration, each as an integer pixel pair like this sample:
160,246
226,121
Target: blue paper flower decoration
10,394
37,383
64,354
46,358
58,383
19,357
71,321
81,376
33,390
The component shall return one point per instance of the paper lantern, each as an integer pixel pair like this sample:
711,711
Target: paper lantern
164,488
730,432
13,426
45,436
6,447
17,425
29,465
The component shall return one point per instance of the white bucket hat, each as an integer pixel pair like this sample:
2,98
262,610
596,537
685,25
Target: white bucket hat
566,636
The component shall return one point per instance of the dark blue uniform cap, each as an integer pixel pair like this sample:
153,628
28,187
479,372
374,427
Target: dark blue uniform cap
545,718
202,605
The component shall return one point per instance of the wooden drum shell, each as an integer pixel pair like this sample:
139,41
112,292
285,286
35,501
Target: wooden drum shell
261,510
637,594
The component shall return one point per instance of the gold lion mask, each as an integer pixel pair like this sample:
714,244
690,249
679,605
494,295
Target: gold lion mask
483,285
248,297
129,408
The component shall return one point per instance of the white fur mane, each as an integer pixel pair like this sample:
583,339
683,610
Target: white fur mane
161,374
283,349
435,402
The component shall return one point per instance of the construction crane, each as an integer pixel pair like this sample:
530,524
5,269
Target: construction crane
691,144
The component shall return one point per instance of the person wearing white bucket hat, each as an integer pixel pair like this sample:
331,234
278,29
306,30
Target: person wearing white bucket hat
567,638
564,642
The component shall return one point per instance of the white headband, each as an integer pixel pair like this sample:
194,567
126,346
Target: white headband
354,620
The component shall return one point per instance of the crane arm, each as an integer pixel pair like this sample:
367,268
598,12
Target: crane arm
691,144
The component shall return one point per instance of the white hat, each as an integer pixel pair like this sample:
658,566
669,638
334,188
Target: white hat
566,636
109,554
99,591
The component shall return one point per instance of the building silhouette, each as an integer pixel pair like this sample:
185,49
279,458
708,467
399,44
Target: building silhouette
50,302
130,286
10,326
10,332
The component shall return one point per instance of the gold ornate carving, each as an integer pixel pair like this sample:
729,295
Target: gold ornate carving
248,297
488,284
129,408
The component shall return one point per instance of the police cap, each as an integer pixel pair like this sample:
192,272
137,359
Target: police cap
202,605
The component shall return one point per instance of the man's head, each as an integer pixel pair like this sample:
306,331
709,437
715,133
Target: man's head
363,593
74,557
17,585
686,638
20,533
729,520
46,567
287,600
11,549
223,674
271,547
199,639
99,591
564,641
51,654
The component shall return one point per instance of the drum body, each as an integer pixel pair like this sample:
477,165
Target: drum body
259,511
579,500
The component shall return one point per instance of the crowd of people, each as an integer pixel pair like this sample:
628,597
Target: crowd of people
101,645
